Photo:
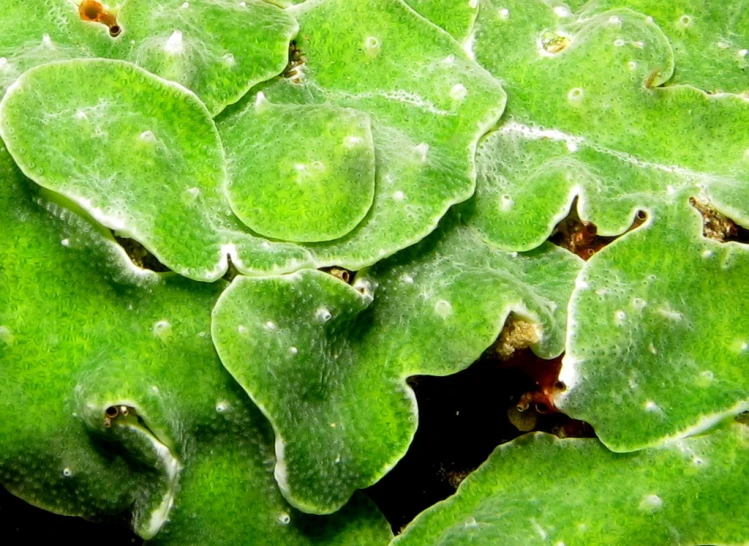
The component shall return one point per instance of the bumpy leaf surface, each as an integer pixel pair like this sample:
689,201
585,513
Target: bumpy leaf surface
542,490
456,18
428,102
328,362
202,44
112,399
599,125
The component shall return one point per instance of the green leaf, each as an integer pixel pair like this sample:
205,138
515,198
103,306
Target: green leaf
542,490
655,349
310,174
328,362
598,126
84,334
454,17
428,103
202,44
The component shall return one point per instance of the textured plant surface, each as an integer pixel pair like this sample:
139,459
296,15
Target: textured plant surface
230,232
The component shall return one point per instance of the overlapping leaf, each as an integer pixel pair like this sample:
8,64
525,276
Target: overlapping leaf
542,490
597,125
112,399
456,18
202,44
328,362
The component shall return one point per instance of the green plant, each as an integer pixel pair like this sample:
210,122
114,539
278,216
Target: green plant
261,152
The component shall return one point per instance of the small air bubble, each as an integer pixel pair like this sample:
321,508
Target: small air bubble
242,330
372,46
65,242
561,11
222,406
575,95
284,518
632,65
651,406
147,136
685,20
399,196
651,503
270,325
443,308
174,44
458,92
162,328
614,20
323,314
293,350
504,13
229,59
67,472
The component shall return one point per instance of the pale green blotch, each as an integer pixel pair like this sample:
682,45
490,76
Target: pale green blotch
137,152
710,40
217,49
300,173
658,345
539,489
84,330
328,362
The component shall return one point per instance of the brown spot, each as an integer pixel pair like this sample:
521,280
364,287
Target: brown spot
95,12
297,60
650,82
581,237
717,226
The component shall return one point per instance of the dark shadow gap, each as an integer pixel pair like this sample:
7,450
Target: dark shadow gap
140,256
463,417
718,226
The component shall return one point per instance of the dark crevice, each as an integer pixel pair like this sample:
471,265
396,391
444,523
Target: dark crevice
297,60
140,256
231,270
463,417
581,237
717,226
340,273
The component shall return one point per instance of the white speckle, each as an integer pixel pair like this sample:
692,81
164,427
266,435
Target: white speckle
300,167
284,518
458,92
685,20
614,20
222,406
742,53
722,45
471,522
421,151
449,60
352,141
473,4
174,44
47,41
408,279
580,284
582,526
669,313
260,101
561,11
707,254
639,303
744,346
652,349
318,165
399,196
323,314
65,242
229,59
571,146
504,13
80,114
651,406
651,503
443,308
619,317
575,95
161,328
185,5
243,4
67,472
705,378
3,63
372,46
338,459
155,389
265,244
242,330
697,461
270,325
602,291
293,350
632,65
540,530
193,192
147,136
619,42
505,202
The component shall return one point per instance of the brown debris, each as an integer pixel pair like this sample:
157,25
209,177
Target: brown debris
717,226
95,12
297,60
517,334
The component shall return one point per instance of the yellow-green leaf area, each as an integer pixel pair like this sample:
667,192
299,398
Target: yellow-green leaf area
327,362
301,173
539,489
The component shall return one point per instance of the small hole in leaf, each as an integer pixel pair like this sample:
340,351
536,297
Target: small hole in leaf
115,31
